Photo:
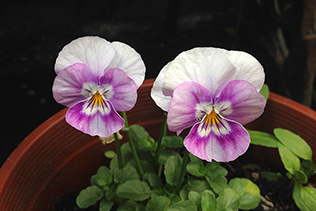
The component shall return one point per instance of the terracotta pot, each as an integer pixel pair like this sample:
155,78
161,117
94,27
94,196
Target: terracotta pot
56,159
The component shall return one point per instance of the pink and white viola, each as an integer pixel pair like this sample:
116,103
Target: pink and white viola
94,79
214,91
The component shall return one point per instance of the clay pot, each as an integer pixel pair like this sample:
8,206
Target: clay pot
56,159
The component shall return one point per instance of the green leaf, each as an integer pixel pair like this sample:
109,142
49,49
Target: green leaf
89,196
196,198
215,176
103,176
153,180
270,176
125,174
249,192
109,154
147,144
228,199
193,185
157,203
294,143
304,197
217,183
208,201
308,167
265,91
300,177
165,154
134,189
183,206
105,205
172,170
138,132
128,205
308,195
196,168
172,141
262,138
290,161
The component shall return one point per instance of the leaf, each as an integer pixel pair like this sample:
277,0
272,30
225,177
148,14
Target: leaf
153,180
300,177
183,206
157,203
304,197
172,170
105,205
208,201
290,161
308,194
103,176
228,199
217,183
262,138
165,154
196,198
172,141
270,176
265,91
125,174
294,143
109,154
134,189
128,205
196,168
138,132
249,192
89,196
215,176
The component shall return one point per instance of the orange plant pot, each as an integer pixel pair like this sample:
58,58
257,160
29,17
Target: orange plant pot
56,159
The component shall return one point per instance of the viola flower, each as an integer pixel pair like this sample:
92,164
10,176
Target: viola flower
214,91
94,79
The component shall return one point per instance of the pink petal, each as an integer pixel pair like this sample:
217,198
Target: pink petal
101,121
183,110
222,145
123,94
68,84
240,101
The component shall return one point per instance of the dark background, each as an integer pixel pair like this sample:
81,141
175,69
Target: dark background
32,34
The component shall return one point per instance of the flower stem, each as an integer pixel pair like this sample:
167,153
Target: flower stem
118,151
131,143
183,169
163,132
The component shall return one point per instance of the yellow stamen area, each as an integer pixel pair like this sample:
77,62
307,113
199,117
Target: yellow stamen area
97,99
212,118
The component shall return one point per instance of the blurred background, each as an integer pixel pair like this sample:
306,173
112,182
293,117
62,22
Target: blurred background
32,33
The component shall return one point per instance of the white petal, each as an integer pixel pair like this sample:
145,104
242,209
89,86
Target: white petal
207,66
248,68
95,52
128,60
156,94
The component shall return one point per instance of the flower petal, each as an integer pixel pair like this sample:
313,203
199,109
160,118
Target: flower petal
156,93
68,84
128,60
123,93
190,102
95,52
223,147
240,101
101,121
207,66
248,68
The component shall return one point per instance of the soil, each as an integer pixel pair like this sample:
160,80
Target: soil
275,196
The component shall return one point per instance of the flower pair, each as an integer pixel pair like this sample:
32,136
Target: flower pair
212,90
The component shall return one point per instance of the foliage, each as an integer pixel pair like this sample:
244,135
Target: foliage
204,186
296,156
